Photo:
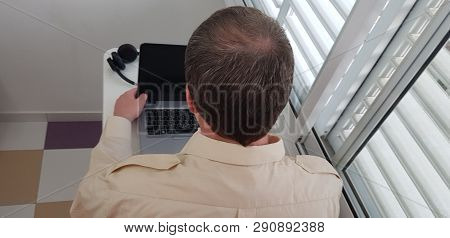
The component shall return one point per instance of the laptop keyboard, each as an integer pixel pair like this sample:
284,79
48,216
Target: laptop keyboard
170,121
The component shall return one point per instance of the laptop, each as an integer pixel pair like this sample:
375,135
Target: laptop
166,123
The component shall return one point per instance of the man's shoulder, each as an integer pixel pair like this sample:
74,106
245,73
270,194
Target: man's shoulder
316,178
315,165
152,161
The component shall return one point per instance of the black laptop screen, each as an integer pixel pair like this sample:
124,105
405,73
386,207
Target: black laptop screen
161,72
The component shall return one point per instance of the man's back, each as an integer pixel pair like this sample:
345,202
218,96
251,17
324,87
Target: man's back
208,178
239,69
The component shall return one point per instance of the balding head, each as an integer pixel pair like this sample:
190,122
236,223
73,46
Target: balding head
239,70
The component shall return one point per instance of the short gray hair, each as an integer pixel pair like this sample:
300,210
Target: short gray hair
239,49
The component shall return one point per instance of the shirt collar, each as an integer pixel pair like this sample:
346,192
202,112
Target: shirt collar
205,147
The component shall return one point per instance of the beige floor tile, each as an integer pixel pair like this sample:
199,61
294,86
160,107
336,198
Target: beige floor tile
53,209
19,176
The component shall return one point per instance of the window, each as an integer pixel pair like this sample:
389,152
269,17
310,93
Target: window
382,73
391,140
403,170
312,26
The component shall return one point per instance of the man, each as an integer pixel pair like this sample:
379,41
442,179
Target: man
239,69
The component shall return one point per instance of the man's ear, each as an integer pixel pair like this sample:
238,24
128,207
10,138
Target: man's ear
189,101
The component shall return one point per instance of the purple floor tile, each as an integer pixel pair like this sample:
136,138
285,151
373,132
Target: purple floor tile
72,135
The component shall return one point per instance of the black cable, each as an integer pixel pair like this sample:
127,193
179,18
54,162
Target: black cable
125,78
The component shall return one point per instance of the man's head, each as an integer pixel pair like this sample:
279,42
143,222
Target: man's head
239,69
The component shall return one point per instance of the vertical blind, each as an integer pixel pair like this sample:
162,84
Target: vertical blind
403,170
312,27
406,164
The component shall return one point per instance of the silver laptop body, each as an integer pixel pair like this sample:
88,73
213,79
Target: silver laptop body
164,125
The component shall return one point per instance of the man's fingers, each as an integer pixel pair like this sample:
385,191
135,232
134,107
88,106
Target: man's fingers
131,91
142,100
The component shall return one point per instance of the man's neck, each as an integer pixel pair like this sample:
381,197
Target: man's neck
208,133
206,130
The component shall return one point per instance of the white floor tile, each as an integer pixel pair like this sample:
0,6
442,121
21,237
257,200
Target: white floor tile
61,172
22,135
17,211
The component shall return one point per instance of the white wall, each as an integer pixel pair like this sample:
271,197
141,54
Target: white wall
46,68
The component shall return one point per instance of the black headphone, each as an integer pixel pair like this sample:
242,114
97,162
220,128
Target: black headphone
124,55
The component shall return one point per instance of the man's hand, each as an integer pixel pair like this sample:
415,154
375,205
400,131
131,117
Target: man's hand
129,107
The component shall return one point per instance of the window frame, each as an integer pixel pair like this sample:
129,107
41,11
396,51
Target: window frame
431,41
395,89
397,100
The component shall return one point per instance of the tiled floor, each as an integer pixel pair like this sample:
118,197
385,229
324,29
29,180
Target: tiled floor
41,165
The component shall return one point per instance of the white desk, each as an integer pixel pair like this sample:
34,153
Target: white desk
114,86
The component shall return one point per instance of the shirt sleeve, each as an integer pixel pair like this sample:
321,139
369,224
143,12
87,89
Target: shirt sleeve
114,146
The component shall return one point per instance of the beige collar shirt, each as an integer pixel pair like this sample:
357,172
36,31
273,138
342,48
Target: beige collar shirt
208,178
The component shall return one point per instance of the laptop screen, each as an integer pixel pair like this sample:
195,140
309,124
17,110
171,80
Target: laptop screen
161,72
